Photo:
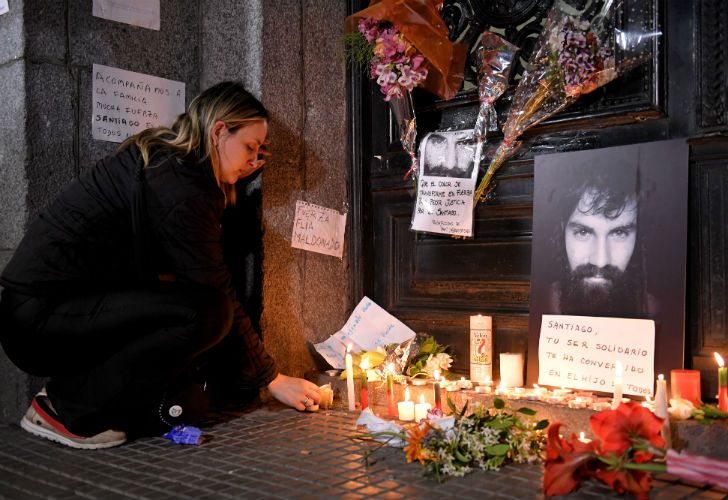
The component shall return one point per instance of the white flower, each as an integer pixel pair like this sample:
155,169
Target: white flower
439,362
681,409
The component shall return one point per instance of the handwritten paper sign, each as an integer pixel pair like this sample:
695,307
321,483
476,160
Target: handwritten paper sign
581,352
368,327
4,9
142,13
446,183
318,229
125,102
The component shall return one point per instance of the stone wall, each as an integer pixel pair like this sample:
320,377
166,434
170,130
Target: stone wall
275,48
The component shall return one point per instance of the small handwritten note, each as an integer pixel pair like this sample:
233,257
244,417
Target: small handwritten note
4,9
318,229
142,13
444,205
368,327
125,102
581,352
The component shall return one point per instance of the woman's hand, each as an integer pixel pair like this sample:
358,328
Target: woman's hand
295,392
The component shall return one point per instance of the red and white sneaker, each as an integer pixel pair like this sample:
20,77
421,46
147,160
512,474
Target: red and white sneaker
42,420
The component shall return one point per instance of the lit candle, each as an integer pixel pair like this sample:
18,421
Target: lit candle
536,394
463,383
364,365
406,408
661,397
617,399
583,438
421,409
685,384
438,396
579,402
511,369
390,390
722,383
350,379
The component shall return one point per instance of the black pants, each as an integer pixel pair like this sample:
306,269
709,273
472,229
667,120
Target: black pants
111,355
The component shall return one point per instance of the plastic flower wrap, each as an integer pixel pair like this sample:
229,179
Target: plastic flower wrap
575,55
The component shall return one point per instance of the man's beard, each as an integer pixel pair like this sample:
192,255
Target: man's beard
619,295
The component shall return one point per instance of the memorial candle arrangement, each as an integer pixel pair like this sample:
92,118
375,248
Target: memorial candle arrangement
722,383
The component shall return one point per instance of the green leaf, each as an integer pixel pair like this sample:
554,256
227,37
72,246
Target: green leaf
428,346
375,358
542,424
497,450
451,405
499,404
527,411
462,457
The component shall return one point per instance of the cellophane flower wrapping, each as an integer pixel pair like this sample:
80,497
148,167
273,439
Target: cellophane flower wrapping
577,53
418,23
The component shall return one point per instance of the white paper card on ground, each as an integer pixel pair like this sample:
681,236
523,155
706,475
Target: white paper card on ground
368,327
580,352
446,183
142,13
4,9
318,229
125,102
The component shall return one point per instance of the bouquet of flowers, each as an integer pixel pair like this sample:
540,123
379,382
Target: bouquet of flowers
430,357
462,442
575,55
628,446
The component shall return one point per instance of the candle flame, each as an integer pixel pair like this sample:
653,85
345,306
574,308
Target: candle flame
348,349
618,369
422,399
436,374
364,364
406,394
390,367
581,436
719,359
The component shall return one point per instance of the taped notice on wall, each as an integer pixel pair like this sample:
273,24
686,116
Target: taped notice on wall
318,229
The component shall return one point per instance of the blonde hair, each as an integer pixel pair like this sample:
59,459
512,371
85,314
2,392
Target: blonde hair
190,137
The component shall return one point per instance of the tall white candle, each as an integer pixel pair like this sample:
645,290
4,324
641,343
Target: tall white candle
350,379
406,408
617,399
661,396
511,369
481,348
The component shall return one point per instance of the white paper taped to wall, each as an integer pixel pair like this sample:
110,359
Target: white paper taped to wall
142,13
4,8
318,229
125,102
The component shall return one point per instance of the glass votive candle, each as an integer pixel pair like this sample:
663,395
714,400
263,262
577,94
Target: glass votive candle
483,389
685,384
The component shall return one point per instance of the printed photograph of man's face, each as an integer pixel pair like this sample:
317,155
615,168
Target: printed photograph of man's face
609,239
448,154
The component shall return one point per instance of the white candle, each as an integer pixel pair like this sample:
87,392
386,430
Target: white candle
511,369
350,379
481,348
661,397
421,409
406,408
583,438
464,384
617,399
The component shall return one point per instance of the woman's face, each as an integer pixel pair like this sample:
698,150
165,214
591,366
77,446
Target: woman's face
238,150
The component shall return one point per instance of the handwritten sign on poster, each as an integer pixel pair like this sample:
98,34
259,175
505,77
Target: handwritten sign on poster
446,183
318,229
142,13
581,352
368,327
4,8
125,102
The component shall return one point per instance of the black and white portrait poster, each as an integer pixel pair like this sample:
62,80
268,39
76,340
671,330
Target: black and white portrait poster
609,241
446,183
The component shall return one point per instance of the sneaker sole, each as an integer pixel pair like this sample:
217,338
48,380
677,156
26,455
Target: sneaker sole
39,431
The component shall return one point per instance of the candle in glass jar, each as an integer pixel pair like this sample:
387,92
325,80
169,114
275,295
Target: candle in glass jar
722,383
685,384
511,369
421,408
406,408
617,399
350,379
364,390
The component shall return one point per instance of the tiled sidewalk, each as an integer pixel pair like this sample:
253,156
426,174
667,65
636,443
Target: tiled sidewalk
268,452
